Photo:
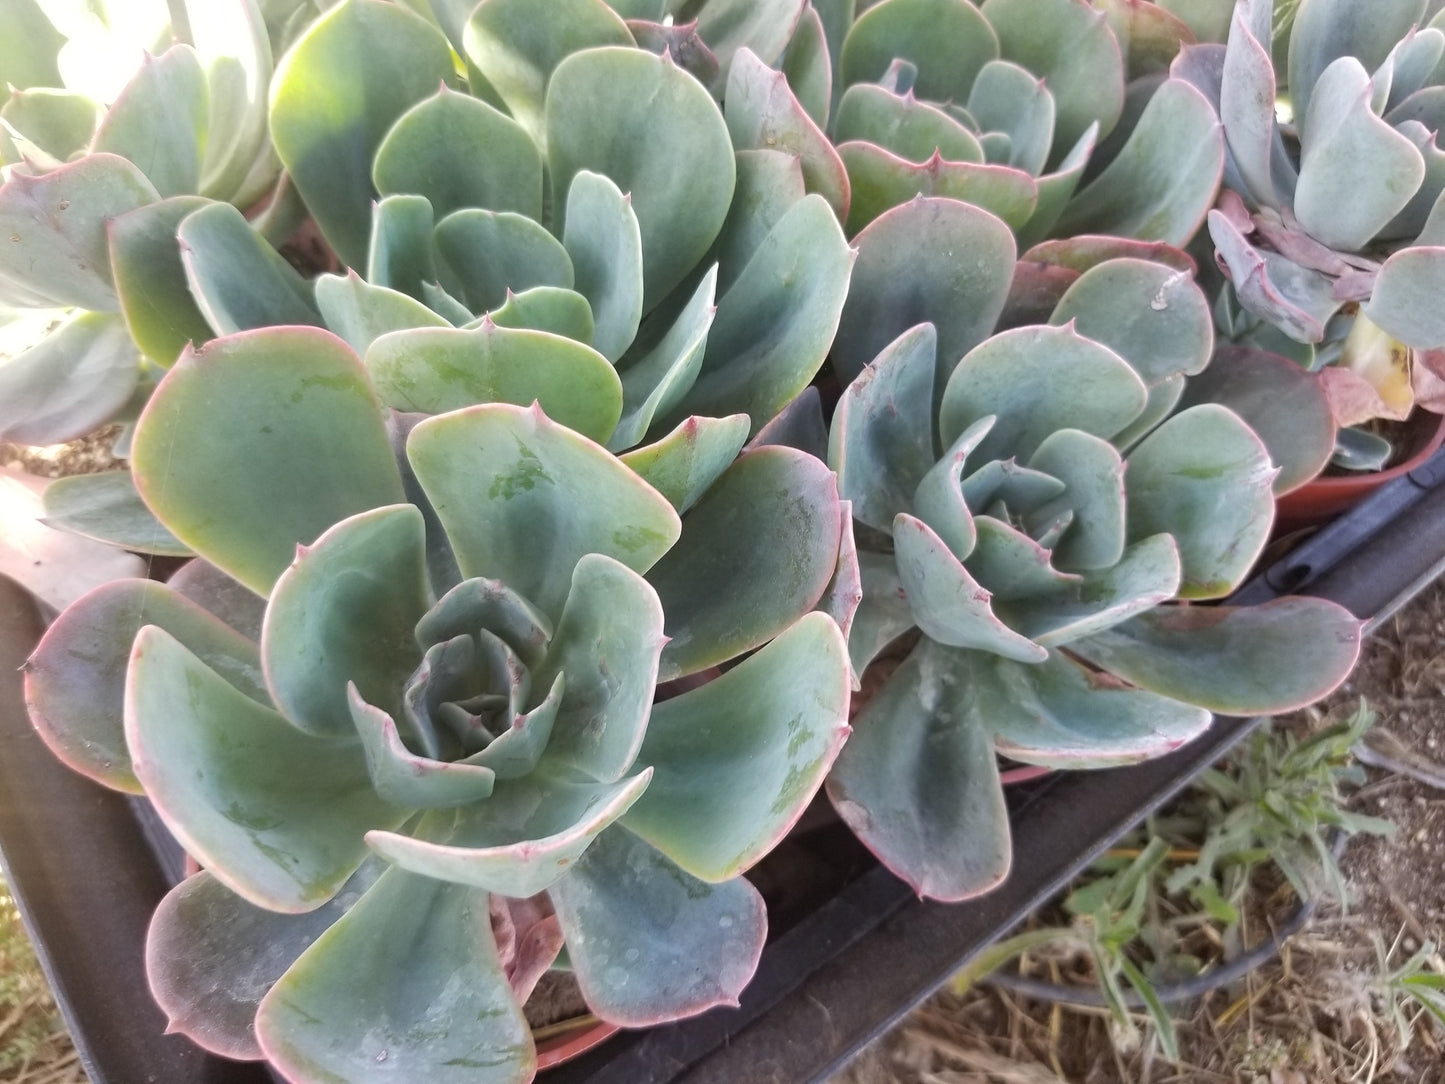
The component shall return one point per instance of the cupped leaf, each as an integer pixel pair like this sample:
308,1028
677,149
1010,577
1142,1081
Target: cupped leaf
1336,202
900,123
518,51
1059,715
1403,301
276,814
1285,405
300,442
523,499
650,943
1146,575
238,280
1071,48
344,612
1325,30
335,95
1205,478
1093,473
941,499
1154,317
809,67
360,313
547,308
1008,99
683,465
75,680
159,121
642,121
763,114
919,784
458,152
773,327
75,379
607,646
518,842
402,254
778,510
150,278
211,956
946,602
406,779
1236,660
605,244
882,616
881,180
434,370
948,41
768,183
374,998
738,759
908,272
1035,380
54,229
1246,93
107,507
487,604
494,253
1162,183
1297,300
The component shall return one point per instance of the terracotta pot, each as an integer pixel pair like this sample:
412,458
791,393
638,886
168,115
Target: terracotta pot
557,1046
1323,498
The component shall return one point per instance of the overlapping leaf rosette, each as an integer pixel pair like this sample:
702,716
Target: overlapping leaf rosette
437,715
116,124
591,243
1331,226
1035,521
1056,115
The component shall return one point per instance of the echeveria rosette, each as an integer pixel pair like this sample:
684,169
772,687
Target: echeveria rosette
1336,209
100,173
450,702
1036,513
1052,115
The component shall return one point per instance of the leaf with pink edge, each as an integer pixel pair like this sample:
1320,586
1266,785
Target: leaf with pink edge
901,124
1235,660
908,272
683,465
300,442
150,278
458,152
607,645
55,249
947,603
523,499
276,814
75,680
1405,298
737,759
361,312
336,93
647,941
881,180
1205,478
775,324
948,41
779,507
1285,405
434,370
211,956
518,842
1297,300
381,994
763,114
1059,715
918,781
1162,183
650,127
345,611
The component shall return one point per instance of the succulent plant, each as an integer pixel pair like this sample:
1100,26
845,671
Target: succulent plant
1011,104
1330,228
442,700
634,273
1038,524
104,148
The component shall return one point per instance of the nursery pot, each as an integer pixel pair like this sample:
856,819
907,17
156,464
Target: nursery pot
1326,497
